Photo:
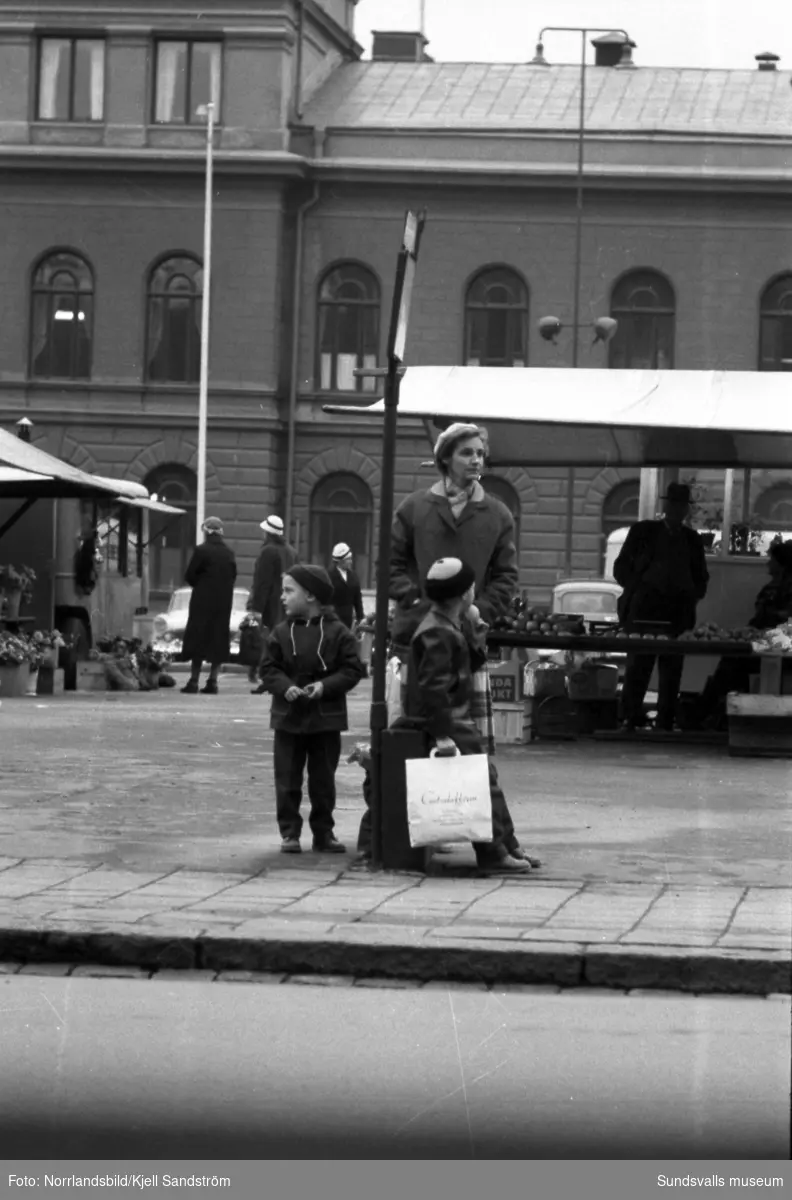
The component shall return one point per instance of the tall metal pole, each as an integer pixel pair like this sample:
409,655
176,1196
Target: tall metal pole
200,508
570,523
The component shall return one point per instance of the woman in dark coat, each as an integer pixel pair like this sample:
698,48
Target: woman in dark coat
211,574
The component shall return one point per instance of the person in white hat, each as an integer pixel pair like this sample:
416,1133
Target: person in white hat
347,594
274,560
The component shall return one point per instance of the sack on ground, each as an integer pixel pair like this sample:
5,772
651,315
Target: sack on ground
251,644
448,800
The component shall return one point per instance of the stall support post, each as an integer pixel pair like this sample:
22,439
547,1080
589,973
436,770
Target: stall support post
397,338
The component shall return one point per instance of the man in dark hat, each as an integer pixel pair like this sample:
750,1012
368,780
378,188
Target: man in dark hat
663,571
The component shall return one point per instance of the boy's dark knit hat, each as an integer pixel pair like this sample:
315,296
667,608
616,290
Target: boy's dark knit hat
448,578
313,579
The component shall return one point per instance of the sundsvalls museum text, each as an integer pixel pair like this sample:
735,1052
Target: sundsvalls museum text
735,1181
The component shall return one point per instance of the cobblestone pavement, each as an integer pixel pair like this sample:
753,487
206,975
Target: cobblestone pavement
133,820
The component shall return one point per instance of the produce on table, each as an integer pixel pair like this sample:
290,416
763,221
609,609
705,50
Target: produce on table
777,641
537,620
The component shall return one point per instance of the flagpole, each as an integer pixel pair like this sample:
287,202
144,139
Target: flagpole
203,390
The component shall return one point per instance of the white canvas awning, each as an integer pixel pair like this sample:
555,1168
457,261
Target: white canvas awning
27,473
570,418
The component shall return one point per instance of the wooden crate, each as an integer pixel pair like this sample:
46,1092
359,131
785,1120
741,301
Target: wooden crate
760,726
509,724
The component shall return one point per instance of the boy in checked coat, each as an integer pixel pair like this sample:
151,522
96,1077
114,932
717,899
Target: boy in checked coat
311,662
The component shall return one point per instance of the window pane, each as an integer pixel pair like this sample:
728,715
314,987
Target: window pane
88,81
54,82
171,94
205,78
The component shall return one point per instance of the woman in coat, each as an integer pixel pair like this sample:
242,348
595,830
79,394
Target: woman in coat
211,574
454,518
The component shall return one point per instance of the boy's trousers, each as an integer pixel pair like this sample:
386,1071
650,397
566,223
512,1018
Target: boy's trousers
321,752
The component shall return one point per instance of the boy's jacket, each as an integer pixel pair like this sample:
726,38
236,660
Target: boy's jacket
321,650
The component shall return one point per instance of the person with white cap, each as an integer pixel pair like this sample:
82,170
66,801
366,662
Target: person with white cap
439,695
211,573
347,594
275,558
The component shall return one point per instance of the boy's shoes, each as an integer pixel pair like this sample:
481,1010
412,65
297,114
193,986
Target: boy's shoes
259,691
190,687
291,846
328,845
505,866
210,688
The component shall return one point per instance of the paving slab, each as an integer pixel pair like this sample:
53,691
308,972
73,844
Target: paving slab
138,834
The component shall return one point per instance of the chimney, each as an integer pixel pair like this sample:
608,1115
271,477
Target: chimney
398,46
609,50
767,61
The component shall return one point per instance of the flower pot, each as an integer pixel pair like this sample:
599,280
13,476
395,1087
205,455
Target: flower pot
14,680
13,601
49,659
32,687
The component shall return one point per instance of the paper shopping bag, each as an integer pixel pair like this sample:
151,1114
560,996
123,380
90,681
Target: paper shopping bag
448,799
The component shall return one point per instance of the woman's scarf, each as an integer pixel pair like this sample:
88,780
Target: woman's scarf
459,497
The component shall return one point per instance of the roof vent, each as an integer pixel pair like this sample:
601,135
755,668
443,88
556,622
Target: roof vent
398,46
767,61
613,50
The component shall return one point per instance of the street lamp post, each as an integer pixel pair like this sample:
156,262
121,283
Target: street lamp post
539,60
206,110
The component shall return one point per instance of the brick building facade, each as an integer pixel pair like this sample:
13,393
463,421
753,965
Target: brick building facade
686,240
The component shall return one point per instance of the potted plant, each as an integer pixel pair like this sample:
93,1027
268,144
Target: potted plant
17,583
17,657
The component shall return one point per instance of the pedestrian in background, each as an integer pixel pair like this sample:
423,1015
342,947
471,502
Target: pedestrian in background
662,568
275,558
347,594
310,664
211,573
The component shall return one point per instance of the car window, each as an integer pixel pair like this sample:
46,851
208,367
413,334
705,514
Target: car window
587,602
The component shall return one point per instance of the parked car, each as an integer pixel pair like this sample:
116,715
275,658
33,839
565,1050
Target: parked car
592,599
169,626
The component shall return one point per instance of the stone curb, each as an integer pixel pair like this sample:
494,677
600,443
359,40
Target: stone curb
407,954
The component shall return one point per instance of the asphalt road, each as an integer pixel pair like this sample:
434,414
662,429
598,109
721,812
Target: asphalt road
170,1068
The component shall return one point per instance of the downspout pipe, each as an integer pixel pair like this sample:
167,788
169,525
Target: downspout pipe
295,354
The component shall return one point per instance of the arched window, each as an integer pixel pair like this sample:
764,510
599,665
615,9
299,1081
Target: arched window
774,507
348,321
61,317
619,511
173,321
503,491
342,510
172,538
775,326
496,319
643,304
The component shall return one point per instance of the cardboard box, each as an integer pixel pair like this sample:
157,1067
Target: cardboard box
91,677
596,681
760,726
506,683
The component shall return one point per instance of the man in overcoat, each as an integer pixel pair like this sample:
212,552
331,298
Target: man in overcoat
663,571
273,562
211,573
347,595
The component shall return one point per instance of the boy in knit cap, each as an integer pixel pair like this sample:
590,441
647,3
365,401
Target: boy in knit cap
311,662
440,689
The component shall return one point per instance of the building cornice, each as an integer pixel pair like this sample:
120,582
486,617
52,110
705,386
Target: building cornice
168,160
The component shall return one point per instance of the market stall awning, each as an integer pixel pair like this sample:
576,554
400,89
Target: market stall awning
27,473
46,475
569,418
